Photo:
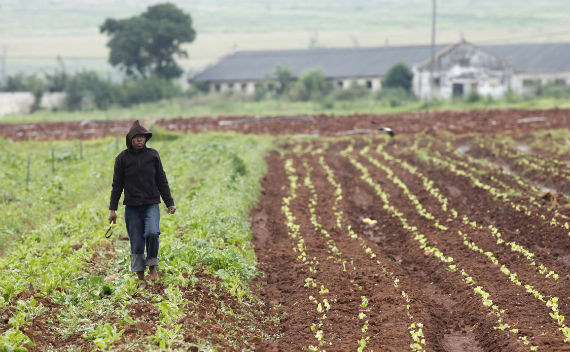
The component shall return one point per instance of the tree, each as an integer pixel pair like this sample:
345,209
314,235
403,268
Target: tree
313,84
399,75
284,77
145,45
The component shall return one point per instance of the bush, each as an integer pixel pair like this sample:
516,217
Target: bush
394,93
355,91
398,76
312,85
284,78
56,81
14,83
88,88
553,90
474,97
22,83
147,89
201,86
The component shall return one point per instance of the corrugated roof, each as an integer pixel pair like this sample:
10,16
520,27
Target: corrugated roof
533,57
370,62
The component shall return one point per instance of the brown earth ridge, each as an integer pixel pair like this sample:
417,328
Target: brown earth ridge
483,121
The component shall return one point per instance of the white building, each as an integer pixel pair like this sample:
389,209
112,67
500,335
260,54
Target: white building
459,69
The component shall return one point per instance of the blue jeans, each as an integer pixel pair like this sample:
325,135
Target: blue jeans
143,223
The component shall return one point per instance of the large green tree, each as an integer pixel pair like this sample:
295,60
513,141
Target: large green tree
145,45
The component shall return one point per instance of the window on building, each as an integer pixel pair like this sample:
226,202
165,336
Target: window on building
494,82
436,81
369,84
457,90
340,84
244,86
217,87
464,62
531,82
230,85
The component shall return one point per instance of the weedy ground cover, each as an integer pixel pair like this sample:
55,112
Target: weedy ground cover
62,259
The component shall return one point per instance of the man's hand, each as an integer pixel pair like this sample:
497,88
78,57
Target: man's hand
171,209
112,216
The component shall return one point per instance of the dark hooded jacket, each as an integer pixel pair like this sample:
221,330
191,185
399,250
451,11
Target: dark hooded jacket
140,174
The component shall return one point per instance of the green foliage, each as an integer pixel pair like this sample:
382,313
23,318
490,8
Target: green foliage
87,88
145,45
105,335
311,85
554,90
22,83
399,75
15,83
474,97
284,78
14,340
355,91
57,80
218,104
210,232
394,97
201,86
145,90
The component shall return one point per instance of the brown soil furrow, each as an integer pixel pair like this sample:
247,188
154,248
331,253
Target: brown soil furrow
341,327
345,297
283,275
532,232
388,319
484,239
531,314
557,179
453,308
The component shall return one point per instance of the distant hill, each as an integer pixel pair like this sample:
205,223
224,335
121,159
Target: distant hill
230,16
34,32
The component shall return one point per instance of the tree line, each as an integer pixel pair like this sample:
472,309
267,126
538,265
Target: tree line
143,47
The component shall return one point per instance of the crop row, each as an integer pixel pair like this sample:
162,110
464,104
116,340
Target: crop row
493,191
294,232
432,251
416,327
524,160
550,302
428,185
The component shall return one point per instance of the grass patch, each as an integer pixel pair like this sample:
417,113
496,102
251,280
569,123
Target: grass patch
225,105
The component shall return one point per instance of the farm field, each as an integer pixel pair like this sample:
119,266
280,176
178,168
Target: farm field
451,236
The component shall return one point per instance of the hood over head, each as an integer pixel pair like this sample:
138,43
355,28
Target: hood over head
136,128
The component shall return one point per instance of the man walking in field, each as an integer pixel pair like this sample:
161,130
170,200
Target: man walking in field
138,171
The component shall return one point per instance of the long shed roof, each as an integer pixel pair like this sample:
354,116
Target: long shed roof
370,62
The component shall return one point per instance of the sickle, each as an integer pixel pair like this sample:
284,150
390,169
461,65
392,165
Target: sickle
109,231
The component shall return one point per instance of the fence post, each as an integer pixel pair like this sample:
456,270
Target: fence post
52,160
28,173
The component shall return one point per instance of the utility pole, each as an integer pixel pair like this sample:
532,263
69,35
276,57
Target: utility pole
431,86
3,65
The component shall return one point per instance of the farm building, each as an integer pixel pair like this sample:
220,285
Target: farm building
459,68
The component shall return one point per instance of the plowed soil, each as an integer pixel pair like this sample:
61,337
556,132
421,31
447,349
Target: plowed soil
506,121
365,269
453,315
